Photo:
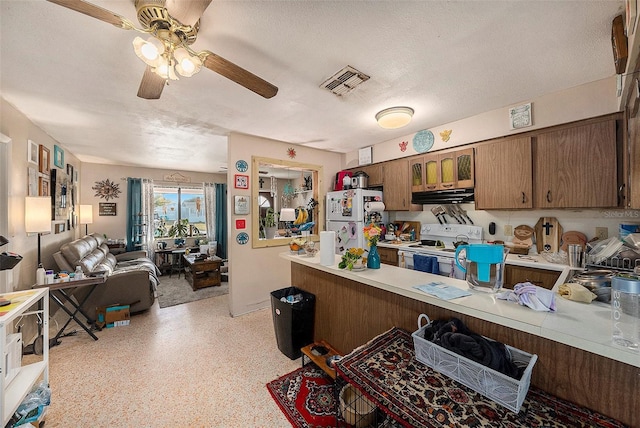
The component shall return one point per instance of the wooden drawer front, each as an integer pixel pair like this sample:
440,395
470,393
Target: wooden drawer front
388,256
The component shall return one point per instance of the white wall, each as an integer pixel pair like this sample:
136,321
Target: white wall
254,273
582,102
115,226
16,126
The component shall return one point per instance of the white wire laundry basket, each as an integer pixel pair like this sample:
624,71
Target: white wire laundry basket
502,389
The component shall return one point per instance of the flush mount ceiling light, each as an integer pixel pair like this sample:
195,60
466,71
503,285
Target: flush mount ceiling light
394,117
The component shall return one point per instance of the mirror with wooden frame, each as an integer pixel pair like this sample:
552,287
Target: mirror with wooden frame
282,184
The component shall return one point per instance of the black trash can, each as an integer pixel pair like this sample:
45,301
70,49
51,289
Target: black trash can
293,319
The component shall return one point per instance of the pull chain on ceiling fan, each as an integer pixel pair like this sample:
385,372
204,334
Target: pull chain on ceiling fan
172,26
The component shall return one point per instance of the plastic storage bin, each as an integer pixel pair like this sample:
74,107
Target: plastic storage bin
293,319
494,385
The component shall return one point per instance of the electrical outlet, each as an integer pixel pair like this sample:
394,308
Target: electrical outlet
508,230
602,232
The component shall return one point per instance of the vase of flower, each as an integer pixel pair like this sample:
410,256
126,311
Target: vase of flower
373,261
372,234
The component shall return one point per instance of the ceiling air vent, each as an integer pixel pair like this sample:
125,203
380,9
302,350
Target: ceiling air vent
344,81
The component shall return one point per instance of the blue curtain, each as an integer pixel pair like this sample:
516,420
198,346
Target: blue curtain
134,208
221,219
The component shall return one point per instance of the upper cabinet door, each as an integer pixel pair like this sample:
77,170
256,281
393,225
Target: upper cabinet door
397,195
576,167
464,168
447,170
417,174
431,170
503,174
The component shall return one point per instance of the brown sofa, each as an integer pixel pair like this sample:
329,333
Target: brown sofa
132,277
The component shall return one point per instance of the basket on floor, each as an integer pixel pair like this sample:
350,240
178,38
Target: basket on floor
502,389
355,408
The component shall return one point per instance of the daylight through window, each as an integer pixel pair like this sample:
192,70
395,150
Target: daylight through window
179,212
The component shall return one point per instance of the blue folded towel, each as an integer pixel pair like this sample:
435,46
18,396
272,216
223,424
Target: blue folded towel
427,264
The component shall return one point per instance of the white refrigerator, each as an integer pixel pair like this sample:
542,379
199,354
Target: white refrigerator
346,216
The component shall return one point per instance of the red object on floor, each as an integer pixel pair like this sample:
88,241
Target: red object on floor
306,397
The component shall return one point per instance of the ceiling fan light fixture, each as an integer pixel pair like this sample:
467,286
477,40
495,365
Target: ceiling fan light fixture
394,117
148,50
186,64
165,69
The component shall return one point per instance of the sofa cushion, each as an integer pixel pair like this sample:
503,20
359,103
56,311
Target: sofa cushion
99,238
112,260
77,250
90,261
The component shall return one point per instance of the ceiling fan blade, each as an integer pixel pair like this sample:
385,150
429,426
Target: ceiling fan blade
186,11
94,12
239,75
151,86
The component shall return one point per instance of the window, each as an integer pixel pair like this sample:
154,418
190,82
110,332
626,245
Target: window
179,205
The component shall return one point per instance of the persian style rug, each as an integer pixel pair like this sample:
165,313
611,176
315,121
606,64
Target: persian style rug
387,372
306,397
177,290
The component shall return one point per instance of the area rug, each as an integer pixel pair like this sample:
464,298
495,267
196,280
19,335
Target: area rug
306,397
416,396
177,290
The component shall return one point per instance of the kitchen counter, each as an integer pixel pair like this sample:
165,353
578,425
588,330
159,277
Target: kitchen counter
575,354
583,326
534,261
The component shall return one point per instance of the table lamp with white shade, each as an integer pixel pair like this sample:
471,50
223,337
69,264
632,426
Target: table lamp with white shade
288,215
37,217
86,217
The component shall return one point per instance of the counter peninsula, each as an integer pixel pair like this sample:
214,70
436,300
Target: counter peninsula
576,360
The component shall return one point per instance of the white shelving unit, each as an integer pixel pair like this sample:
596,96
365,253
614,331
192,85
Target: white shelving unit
32,303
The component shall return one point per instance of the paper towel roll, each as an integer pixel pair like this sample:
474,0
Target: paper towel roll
327,248
374,206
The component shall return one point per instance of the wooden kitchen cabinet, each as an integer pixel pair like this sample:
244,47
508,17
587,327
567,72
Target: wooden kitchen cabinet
576,167
388,256
396,189
442,171
504,174
374,172
541,277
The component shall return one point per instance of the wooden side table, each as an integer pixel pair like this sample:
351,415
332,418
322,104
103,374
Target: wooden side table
202,273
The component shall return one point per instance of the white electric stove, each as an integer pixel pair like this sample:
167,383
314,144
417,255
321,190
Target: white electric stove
438,240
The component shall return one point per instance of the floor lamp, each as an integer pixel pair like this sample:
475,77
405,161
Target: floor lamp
86,217
37,217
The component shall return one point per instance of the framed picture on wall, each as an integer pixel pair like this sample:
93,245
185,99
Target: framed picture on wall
241,181
58,157
32,152
43,186
32,175
43,164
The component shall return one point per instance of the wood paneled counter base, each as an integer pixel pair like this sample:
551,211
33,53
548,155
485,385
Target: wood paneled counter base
349,313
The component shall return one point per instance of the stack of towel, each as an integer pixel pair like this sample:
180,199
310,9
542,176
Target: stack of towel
428,264
456,337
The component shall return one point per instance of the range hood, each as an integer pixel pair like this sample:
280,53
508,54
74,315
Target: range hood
453,196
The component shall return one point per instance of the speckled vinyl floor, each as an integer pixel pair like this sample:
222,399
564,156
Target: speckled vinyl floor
190,365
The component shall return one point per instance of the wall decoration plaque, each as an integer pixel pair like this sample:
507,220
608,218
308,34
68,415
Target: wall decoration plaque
106,189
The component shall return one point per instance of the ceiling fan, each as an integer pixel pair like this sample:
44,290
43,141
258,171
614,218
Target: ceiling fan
172,26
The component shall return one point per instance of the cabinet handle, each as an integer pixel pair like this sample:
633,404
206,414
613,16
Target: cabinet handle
524,198
447,185
549,196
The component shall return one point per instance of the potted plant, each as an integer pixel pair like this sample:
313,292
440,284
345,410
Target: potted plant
179,230
270,223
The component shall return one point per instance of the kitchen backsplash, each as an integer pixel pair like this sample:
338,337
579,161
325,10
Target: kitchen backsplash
584,221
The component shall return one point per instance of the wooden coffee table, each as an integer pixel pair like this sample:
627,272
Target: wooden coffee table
202,273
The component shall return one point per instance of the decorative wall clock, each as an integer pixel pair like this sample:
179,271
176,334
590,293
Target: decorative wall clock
242,166
106,189
242,238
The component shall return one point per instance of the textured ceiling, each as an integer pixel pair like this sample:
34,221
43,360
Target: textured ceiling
77,77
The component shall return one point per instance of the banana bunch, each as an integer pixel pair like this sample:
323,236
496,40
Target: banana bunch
302,217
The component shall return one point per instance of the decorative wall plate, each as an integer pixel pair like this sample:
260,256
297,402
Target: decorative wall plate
423,141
